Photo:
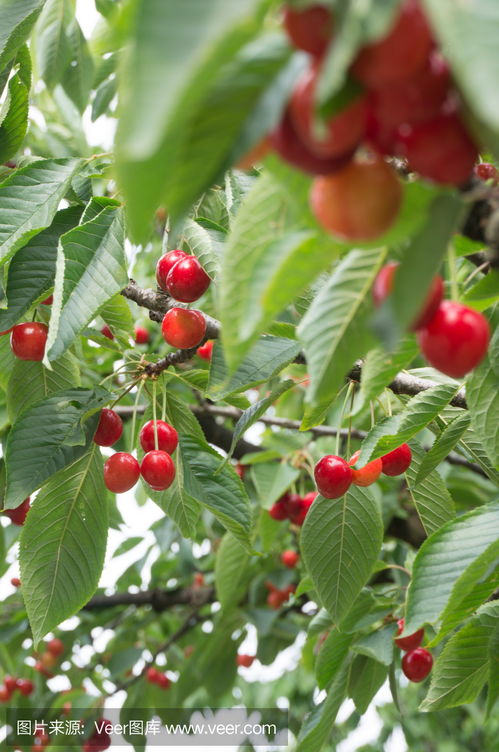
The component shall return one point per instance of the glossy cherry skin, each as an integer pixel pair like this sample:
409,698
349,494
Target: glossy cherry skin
25,686
106,331
333,476
290,147
366,475
157,469
187,280
343,131
121,472
440,149
383,286
183,328
109,429
166,262
411,642
416,664
167,436
359,202
456,339
398,55
397,462
483,171
206,350
18,515
245,660
28,340
309,29
141,335
56,647
290,558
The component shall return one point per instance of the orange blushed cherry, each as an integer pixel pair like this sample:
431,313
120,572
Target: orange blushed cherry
167,436
141,335
56,647
183,328
396,462
187,280
28,340
309,29
18,515
411,642
366,475
109,429
121,472
333,476
166,262
417,664
157,469
290,558
383,286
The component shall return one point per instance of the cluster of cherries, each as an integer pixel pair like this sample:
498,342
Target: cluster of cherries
417,661
11,685
292,507
278,596
452,337
49,658
153,676
158,439
404,104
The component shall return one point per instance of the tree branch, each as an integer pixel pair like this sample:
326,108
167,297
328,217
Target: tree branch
159,600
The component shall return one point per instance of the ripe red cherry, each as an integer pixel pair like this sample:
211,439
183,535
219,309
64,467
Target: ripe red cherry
15,582
309,29
206,350
344,131
398,55
109,429
166,262
106,331
18,515
440,149
290,147
167,436
397,462
455,340
360,202
278,511
121,472
383,286
187,280
56,647
245,660
141,335
4,694
10,683
48,301
163,681
299,510
25,686
416,664
411,642
366,475
484,171
158,469
240,469
290,558
333,476
183,328
152,675
28,340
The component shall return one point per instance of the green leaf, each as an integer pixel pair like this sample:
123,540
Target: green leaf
29,199
231,571
272,480
483,401
104,95
334,330
90,269
202,245
32,270
462,668
431,497
31,382
331,656
340,542
380,367
366,677
17,18
63,544
47,437
377,645
318,725
117,314
53,49
443,445
14,118
442,559
79,74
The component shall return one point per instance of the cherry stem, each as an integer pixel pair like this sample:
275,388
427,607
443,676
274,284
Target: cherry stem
134,417
342,415
125,391
476,271
163,402
352,397
451,260
154,417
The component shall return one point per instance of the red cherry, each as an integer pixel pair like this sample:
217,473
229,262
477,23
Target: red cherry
198,579
48,301
398,55
360,202
290,558
416,664
106,331
187,280
344,131
183,328
309,29
411,642
397,462
158,469
109,429
441,149
4,694
240,469
278,511
206,350
333,476
275,599
25,686
245,660
10,683
484,171
18,515
28,340
298,511
367,474
121,472
56,647
141,335
166,262
152,675
383,285
290,147
15,582
455,340
167,436
163,681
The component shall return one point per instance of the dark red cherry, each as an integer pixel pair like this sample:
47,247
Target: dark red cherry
28,340
167,436
309,29
109,429
411,642
333,476
187,280
18,515
166,262
416,664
